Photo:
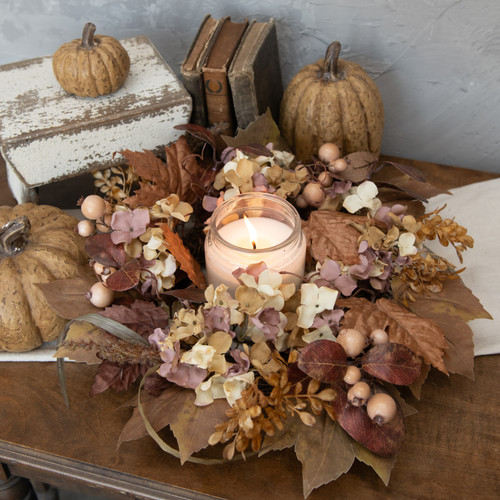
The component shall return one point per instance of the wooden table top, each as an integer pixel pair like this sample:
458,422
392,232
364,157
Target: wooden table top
451,449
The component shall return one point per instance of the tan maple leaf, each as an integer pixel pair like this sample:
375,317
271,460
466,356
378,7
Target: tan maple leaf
421,335
330,234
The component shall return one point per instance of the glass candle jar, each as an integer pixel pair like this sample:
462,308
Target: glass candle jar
274,237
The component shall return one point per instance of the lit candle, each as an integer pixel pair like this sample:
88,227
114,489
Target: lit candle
251,228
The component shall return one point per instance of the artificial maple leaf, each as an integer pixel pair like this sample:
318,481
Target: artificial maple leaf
381,465
159,410
116,376
263,130
330,234
195,424
421,335
173,177
283,438
333,452
69,298
141,316
183,256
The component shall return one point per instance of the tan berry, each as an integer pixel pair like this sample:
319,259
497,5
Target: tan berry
379,336
325,179
313,193
340,165
85,228
352,375
93,207
101,295
381,408
300,202
352,340
359,394
329,152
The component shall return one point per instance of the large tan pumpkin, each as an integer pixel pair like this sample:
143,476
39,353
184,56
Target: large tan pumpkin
38,244
335,101
91,66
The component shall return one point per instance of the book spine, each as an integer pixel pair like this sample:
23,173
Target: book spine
218,100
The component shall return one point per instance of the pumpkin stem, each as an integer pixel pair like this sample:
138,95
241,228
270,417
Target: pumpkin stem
88,36
331,72
14,236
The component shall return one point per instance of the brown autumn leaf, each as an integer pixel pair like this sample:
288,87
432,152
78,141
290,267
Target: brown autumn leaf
451,309
69,298
381,465
173,177
126,277
283,438
323,360
330,234
421,335
393,178
183,256
393,363
159,410
333,453
193,425
383,440
141,316
117,376
262,131
81,334
101,248
360,165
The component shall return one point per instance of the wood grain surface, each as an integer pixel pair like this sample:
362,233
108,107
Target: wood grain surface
451,448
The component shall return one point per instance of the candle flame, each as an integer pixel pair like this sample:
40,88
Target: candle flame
251,232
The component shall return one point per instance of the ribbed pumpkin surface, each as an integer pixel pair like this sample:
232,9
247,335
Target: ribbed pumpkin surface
319,107
91,66
53,251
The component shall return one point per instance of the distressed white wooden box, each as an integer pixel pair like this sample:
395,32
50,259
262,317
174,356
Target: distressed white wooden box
47,134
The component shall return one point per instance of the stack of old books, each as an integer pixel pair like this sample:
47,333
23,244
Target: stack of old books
232,71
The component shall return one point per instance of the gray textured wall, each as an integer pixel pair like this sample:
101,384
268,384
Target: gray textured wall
436,62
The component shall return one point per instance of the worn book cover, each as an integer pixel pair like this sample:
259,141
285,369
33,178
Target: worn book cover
217,92
255,74
191,67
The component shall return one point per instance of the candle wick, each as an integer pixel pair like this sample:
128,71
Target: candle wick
254,246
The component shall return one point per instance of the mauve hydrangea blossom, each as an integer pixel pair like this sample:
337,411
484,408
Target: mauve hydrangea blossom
128,225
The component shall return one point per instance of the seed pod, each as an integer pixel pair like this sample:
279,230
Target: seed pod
352,375
329,152
352,340
379,336
325,179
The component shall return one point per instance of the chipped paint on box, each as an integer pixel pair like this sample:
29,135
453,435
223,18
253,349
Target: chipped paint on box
48,134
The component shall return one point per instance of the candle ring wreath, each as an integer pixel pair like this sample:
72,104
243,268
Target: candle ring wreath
323,364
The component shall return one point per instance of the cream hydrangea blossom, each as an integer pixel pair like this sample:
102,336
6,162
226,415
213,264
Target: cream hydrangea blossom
172,206
164,269
269,285
406,244
219,387
324,332
186,323
362,196
220,297
314,300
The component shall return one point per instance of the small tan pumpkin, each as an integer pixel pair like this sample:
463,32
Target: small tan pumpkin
38,244
91,66
335,101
